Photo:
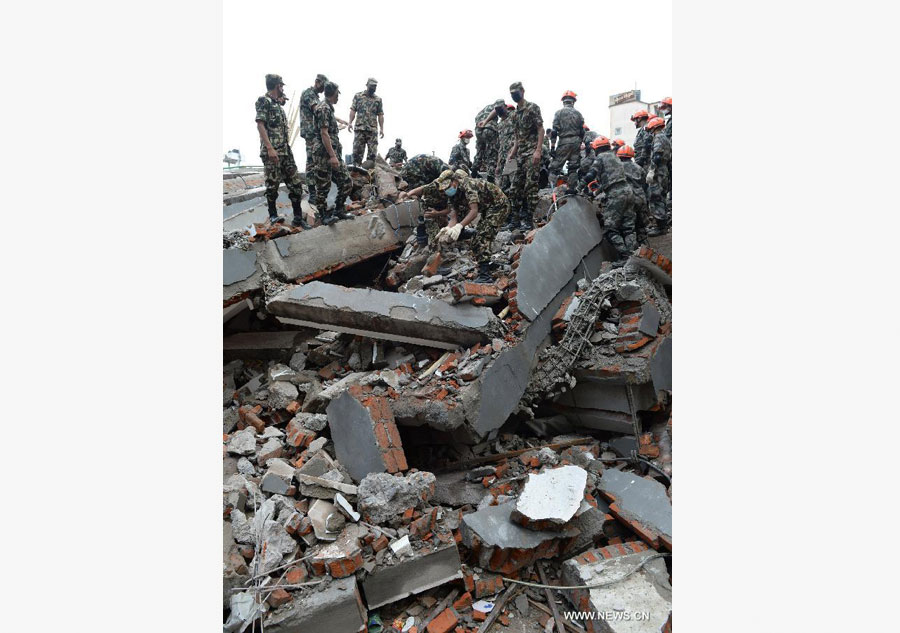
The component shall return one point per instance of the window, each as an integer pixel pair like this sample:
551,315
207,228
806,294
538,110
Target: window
618,131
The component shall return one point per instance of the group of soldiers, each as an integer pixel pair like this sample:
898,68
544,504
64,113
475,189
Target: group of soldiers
633,185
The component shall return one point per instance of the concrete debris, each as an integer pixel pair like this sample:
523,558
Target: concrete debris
383,497
397,437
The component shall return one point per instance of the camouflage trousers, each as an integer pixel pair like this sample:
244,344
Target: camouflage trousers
490,222
524,190
642,217
363,139
324,175
283,171
487,147
568,151
657,200
310,161
619,219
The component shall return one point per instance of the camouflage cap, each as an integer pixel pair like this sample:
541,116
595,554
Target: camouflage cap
371,82
398,141
499,102
273,80
516,86
444,179
321,77
331,88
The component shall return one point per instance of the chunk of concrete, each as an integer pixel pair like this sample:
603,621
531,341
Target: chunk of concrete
368,312
641,503
383,496
242,442
237,265
365,436
646,592
649,323
281,394
551,498
333,608
326,519
425,570
661,366
262,345
278,477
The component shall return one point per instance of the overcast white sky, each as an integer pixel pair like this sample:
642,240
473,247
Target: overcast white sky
437,67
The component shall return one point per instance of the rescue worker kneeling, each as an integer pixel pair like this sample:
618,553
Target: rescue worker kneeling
466,198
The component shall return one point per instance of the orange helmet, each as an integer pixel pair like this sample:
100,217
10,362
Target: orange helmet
667,100
465,134
586,128
569,94
655,122
625,152
600,141
618,142
640,114
509,106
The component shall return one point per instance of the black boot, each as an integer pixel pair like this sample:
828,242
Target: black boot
512,223
526,223
274,218
342,214
299,220
484,273
328,218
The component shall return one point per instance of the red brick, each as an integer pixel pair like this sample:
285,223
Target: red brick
504,620
296,575
381,435
464,602
278,597
380,543
390,463
393,434
444,622
400,458
478,616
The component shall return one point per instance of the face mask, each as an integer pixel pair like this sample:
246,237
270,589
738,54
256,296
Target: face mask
516,96
371,91
450,191
465,141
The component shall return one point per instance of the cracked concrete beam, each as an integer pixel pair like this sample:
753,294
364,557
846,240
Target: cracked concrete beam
395,582
323,305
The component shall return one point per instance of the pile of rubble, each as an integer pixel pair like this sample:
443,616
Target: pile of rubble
407,450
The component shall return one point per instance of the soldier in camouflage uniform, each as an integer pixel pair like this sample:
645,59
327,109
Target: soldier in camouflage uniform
329,163
487,139
616,199
665,108
275,151
467,197
567,134
527,150
659,176
459,155
507,134
422,169
643,140
368,111
638,181
396,155
308,102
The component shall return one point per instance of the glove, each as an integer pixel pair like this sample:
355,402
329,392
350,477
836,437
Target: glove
441,234
452,233
651,176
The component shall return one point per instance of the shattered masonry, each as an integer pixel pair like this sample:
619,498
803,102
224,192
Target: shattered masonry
397,438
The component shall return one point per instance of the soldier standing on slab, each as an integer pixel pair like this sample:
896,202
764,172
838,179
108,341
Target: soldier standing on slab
643,140
566,136
396,155
275,152
607,178
665,108
329,164
659,176
368,111
459,155
507,136
487,140
527,150
638,181
308,102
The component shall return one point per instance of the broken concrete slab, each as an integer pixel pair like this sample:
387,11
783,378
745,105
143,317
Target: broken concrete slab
336,607
646,592
641,503
661,366
452,489
608,394
365,435
327,520
383,497
550,499
546,264
374,312
262,345
242,442
423,571
649,323
501,545
237,265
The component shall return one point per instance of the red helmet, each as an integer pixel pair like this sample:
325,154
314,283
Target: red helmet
640,114
600,141
667,100
570,94
655,122
510,106
625,152
586,128
618,142
465,134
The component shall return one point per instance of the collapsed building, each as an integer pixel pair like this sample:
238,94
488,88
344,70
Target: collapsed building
405,449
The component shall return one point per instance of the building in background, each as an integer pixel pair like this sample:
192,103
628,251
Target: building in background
621,107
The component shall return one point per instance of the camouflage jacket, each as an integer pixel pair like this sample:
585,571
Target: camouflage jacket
273,117
477,190
609,170
568,124
423,168
642,144
527,122
661,152
507,136
459,155
325,118
484,113
308,102
669,126
395,155
636,177
367,110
